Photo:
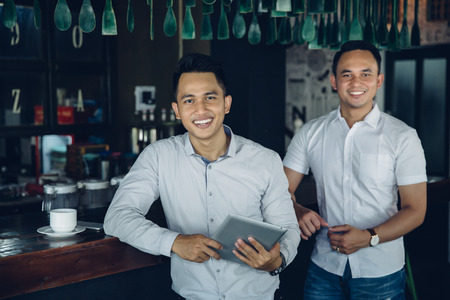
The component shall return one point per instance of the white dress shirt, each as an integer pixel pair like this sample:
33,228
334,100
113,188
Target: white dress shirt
196,197
357,173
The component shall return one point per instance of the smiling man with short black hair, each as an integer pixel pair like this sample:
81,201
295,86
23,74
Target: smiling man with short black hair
201,177
360,158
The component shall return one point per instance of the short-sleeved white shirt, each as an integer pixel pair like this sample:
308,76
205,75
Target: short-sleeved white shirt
357,172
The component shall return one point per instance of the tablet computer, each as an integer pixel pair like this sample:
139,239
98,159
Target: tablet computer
236,227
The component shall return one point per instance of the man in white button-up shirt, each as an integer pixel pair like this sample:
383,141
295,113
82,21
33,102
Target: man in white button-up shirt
201,177
360,158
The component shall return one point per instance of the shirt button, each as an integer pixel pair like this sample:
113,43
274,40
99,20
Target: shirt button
209,167
218,271
210,194
211,220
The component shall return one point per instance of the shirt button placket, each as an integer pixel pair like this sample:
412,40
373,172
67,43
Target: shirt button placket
210,204
347,174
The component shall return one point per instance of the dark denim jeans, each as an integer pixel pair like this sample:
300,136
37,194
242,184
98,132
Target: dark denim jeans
323,285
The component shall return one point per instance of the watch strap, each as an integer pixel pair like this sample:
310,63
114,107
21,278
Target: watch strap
280,268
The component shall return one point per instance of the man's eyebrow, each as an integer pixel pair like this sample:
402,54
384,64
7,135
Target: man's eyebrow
205,94
368,70
186,96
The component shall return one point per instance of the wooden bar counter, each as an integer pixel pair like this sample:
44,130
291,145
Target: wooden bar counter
30,261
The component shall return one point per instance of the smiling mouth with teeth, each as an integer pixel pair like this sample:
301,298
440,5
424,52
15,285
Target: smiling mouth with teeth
203,122
357,93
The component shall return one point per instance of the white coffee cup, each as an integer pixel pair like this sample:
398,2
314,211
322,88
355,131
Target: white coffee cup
63,219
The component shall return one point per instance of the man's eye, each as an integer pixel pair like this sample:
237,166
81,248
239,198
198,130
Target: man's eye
210,98
347,75
188,101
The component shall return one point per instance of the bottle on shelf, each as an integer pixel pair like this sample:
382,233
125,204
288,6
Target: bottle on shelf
162,132
143,132
136,134
171,126
152,128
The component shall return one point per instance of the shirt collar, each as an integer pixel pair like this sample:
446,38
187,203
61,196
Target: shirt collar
231,151
372,117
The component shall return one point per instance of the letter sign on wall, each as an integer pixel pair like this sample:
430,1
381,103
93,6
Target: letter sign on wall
16,96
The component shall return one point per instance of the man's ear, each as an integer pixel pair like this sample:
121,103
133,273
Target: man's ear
333,82
175,109
228,101
380,80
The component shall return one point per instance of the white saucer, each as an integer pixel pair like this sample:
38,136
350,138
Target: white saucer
49,231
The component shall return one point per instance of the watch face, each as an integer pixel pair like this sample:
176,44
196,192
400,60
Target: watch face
375,240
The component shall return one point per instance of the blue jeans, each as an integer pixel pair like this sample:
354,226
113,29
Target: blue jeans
323,285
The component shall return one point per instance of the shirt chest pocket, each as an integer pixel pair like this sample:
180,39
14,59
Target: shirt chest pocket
377,170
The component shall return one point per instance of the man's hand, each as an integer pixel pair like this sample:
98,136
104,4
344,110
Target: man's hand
348,239
195,247
258,259
308,220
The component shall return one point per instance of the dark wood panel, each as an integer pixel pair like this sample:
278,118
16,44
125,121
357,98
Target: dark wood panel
30,261
55,267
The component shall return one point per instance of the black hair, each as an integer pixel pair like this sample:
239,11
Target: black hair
200,63
357,45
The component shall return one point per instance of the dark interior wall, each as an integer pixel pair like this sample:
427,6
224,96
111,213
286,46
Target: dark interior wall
139,62
256,81
255,74
142,61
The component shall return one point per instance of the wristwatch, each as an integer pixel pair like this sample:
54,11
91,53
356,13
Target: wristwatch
375,239
280,268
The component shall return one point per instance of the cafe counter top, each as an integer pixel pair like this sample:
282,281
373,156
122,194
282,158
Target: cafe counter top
30,261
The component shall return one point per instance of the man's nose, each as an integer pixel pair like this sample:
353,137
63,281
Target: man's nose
200,106
356,80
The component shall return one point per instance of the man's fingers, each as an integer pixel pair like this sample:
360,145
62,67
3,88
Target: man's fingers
257,245
242,257
340,228
308,228
213,244
209,243
244,248
316,222
212,253
323,222
197,248
311,222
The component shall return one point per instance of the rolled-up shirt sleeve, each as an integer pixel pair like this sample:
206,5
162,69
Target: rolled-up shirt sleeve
278,209
125,217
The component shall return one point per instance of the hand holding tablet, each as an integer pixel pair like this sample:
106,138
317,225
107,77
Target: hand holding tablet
236,227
